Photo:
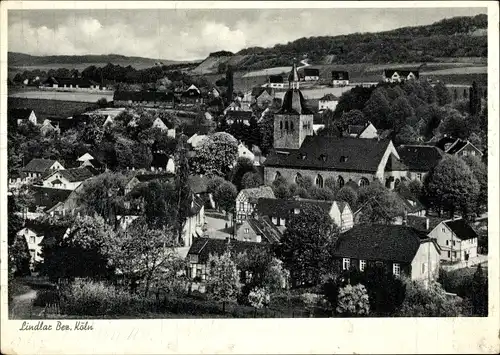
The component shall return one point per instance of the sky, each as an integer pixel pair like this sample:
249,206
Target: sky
190,34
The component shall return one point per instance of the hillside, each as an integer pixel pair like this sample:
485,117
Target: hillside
457,37
26,60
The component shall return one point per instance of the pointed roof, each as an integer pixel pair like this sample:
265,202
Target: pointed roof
85,157
294,74
394,164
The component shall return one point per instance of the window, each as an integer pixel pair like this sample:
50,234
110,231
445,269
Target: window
33,254
281,124
282,221
277,175
291,126
319,181
443,230
274,220
286,125
247,230
453,243
449,254
297,178
362,265
32,239
454,254
340,182
473,153
419,176
396,269
447,242
363,182
296,211
424,267
346,263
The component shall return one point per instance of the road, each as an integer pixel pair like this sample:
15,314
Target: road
22,307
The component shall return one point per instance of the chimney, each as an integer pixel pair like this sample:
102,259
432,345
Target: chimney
427,224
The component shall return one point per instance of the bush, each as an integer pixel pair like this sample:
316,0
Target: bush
353,301
46,297
259,297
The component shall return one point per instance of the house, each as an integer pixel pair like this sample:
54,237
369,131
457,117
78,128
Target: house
262,96
70,84
47,127
38,168
366,131
145,178
311,74
457,239
192,95
21,115
340,78
328,102
399,75
280,210
247,200
35,233
258,229
233,106
412,205
144,98
196,140
88,160
276,82
202,248
259,159
195,221
419,159
462,148
68,179
400,249
239,116
244,152
46,199
215,92
162,163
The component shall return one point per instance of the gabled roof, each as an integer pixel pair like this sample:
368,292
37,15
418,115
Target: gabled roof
311,72
394,243
265,228
441,144
411,203
273,207
76,174
294,103
254,193
276,79
420,157
459,145
355,129
340,75
49,197
294,74
39,165
402,72
19,113
329,97
333,153
81,82
204,247
257,91
85,157
394,164
461,228
49,232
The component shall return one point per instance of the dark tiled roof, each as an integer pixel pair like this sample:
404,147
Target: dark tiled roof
276,79
311,72
203,247
239,114
460,144
402,72
49,197
254,193
77,174
19,113
411,203
265,228
50,233
329,97
441,144
159,160
273,207
394,164
380,242
81,82
461,229
419,157
333,153
355,129
294,103
340,75
140,96
39,165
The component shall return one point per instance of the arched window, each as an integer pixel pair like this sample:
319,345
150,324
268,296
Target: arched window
364,182
278,175
397,182
297,178
340,182
319,181
281,124
291,126
286,125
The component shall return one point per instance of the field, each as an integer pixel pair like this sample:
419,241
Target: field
269,71
50,108
64,96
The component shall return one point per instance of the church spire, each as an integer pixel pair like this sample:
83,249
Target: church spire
293,78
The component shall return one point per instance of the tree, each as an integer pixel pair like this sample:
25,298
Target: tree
19,256
217,154
225,196
243,166
318,193
102,102
451,186
400,113
454,124
479,293
251,179
85,251
143,254
259,297
431,301
184,193
480,171
306,245
223,282
266,127
348,195
377,109
407,135
379,205
442,94
353,301
304,182
474,99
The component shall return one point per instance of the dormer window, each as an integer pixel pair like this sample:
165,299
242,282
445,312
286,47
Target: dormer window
343,159
322,157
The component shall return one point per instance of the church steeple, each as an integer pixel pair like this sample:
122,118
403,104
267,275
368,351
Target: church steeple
293,78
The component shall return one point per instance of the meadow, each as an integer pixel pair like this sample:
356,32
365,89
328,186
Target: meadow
50,108
64,95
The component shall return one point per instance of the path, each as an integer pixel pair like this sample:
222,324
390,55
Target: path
480,259
22,306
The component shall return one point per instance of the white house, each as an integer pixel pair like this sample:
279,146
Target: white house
457,239
244,152
37,168
367,131
196,140
340,78
399,75
247,200
276,82
311,74
67,179
170,166
194,222
328,102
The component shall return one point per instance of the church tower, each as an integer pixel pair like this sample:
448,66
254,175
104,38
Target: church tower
294,121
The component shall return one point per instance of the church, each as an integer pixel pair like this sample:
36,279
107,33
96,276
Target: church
298,152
